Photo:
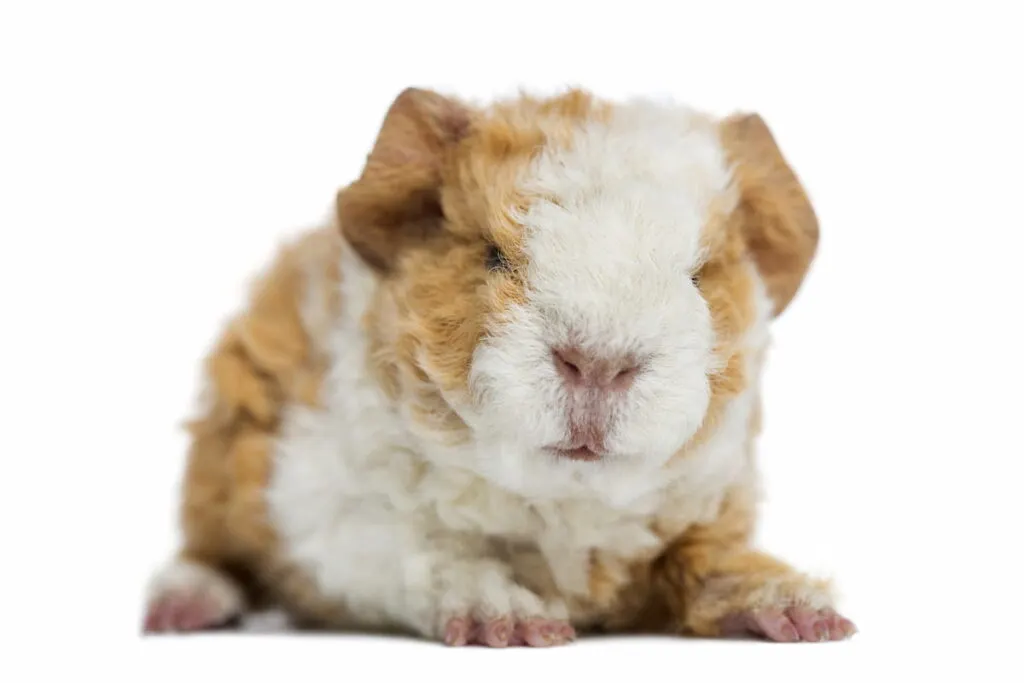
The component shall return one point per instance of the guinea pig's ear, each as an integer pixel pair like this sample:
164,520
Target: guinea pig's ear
775,215
396,200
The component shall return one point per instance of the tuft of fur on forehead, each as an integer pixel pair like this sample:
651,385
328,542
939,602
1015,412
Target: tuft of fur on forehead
484,188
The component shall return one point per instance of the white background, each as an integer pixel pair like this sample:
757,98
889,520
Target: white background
152,155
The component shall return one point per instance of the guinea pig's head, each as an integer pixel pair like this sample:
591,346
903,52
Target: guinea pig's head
570,286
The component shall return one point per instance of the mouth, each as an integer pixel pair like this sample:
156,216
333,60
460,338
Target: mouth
582,453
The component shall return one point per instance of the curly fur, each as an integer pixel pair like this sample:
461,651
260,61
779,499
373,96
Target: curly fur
371,449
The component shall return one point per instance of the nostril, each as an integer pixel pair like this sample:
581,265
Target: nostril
624,378
566,366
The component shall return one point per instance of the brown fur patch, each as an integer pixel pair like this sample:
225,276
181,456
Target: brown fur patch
714,572
395,203
707,572
442,299
775,216
727,285
682,588
269,356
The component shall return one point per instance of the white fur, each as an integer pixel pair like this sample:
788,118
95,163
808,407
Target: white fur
400,526
611,254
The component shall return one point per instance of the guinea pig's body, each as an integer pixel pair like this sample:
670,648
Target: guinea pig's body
510,388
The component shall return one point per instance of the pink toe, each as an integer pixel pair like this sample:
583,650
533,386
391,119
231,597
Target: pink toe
155,618
541,633
839,627
835,626
739,624
152,623
556,632
497,632
208,616
456,632
789,634
775,625
190,617
531,632
811,624
170,614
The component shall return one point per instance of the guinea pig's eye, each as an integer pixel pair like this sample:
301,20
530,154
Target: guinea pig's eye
496,259
695,279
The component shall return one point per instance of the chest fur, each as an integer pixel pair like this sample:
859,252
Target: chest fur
354,494
349,482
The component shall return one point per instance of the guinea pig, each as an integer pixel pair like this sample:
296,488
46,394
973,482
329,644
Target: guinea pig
508,391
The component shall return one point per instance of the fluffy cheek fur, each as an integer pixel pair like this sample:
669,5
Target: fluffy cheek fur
475,356
440,312
520,399
606,253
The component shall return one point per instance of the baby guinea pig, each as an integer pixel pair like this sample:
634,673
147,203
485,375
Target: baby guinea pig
508,391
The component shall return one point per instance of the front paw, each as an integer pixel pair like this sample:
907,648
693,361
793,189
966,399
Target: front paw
481,604
788,624
508,631
780,607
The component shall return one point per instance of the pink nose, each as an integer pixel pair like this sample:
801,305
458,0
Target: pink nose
589,371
